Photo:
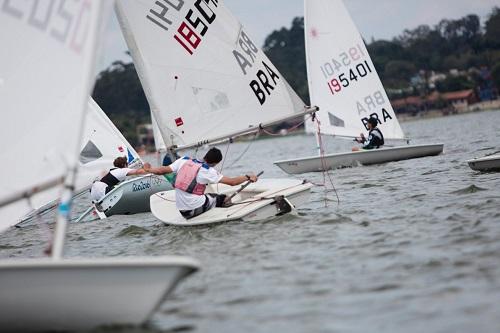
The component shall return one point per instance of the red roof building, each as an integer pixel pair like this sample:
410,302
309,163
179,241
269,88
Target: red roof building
436,100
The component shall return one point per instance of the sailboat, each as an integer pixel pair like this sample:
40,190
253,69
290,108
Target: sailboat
206,81
130,196
43,111
345,86
102,142
486,163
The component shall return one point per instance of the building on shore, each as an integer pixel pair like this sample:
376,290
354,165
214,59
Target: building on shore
450,101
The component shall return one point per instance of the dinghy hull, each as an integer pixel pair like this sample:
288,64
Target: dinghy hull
130,197
258,201
364,157
487,163
71,294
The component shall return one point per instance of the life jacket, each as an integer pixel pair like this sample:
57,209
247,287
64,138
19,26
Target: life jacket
109,179
185,180
377,140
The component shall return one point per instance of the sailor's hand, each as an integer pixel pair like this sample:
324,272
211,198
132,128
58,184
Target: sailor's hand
146,166
251,177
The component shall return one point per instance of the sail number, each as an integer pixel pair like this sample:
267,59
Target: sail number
56,19
246,55
345,59
195,26
345,79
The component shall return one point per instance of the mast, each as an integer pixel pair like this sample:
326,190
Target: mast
69,184
308,70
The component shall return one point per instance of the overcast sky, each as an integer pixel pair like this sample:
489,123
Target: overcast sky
381,19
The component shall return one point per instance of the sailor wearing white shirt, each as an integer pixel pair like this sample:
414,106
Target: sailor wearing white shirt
116,175
191,180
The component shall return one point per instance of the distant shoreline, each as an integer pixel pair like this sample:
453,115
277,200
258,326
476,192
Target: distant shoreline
438,113
429,114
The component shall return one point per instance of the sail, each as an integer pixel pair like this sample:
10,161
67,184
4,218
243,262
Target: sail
159,142
342,79
101,144
102,141
203,75
45,76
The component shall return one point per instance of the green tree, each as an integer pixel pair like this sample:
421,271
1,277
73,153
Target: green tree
462,34
382,52
400,69
495,72
455,83
492,27
119,93
286,49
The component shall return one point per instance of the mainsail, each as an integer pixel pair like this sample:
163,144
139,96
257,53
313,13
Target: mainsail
204,77
159,142
342,79
42,109
103,142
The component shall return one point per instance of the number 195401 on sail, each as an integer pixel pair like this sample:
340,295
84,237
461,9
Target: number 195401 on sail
344,80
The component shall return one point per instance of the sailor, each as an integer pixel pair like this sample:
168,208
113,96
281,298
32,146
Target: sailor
101,187
167,160
375,137
192,177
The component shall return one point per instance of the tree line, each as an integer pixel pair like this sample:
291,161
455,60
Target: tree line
465,45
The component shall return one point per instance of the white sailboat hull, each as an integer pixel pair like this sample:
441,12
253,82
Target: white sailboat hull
363,157
255,202
129,197
70,294
487,163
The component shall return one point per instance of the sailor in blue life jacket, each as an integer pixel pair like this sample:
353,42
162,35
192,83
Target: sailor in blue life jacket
375,137
167,160
191,180
114,176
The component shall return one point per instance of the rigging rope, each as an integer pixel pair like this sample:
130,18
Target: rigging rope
325,170
291,129
244,151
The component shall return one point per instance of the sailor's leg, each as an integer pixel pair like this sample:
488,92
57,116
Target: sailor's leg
209,204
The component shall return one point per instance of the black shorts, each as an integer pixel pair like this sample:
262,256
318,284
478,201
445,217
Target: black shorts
219,201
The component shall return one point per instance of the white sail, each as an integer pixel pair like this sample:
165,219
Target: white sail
203,75
101,144
42,108
342,79
102,141
159,142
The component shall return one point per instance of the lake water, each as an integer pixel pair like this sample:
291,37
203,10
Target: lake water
413,246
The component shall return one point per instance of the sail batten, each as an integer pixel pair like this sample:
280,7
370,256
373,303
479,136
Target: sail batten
204,77
342,78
